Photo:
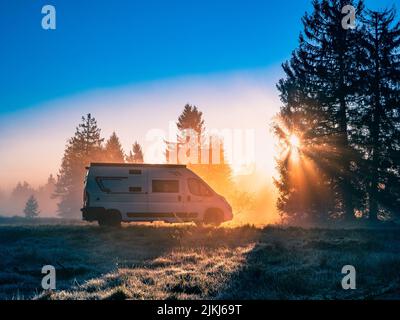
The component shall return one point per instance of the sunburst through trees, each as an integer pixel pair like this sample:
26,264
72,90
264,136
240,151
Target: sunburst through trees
339,127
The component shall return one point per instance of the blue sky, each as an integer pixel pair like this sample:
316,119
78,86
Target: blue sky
102,44
117,58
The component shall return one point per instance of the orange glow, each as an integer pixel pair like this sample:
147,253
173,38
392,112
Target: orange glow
294,141
294,147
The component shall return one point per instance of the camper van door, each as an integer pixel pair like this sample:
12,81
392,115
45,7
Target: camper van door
165,192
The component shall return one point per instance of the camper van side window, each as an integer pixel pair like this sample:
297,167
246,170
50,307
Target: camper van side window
165,186
198,188
135,189
111,184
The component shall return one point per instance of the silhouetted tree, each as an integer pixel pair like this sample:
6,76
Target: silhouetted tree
84,147
381,112
191,121
325,98
218,174
211,168
136,154
31,208
18,197
21,191
44,195
113,150
191,118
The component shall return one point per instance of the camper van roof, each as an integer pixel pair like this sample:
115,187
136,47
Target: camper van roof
99,164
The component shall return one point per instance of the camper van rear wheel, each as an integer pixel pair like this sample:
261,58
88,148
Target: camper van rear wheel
213,217
111,218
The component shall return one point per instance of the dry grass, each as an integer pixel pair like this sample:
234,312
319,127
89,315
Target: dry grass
187,262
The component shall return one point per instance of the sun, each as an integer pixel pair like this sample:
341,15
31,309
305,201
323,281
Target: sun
294,141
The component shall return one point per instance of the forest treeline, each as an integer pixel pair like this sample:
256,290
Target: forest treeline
88,146
341,100
14,202
63,194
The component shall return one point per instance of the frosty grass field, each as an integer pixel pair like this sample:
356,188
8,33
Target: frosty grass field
187,262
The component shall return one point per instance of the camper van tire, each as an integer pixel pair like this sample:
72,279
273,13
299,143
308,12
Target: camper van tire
213,217
110,218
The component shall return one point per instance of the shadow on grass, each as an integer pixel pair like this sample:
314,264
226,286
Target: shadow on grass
86,252
297,263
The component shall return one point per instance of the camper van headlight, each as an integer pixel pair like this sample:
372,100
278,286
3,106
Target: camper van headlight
86,198
226,203
229,206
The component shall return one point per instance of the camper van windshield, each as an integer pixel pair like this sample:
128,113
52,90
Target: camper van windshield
198,188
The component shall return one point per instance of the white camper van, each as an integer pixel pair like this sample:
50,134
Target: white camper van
116,193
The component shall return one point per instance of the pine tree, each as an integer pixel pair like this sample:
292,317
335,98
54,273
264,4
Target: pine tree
51,180
191,121
339,77
218,175
31,208
45,196
21,191
18,196
136,155
341,97
320,91
84,147
191,118
113,150
381,112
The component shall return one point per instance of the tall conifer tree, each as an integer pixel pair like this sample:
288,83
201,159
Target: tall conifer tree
84,147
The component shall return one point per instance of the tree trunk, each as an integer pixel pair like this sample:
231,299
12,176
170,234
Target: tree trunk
375,129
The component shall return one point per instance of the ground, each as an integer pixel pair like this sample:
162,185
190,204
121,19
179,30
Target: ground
188,262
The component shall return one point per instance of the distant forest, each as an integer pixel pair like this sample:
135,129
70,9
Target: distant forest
88,146
62,196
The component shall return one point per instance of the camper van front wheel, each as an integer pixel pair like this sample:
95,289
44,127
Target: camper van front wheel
111,218
214,217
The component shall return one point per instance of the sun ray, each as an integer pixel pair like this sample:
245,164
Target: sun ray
294,141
